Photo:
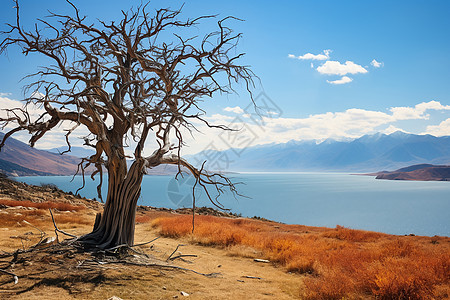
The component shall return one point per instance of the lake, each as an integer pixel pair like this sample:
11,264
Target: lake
316,199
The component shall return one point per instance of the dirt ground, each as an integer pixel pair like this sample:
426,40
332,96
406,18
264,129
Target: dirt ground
68,275
57,276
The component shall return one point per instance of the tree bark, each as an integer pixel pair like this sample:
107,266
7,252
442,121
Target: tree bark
116,225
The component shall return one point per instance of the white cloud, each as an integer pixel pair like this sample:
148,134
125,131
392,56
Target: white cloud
343,80
348,124
407,113
443,129
7,103
309,56
418,111
52,139
219,117
351,123
435,105
376,64
236,109
336,68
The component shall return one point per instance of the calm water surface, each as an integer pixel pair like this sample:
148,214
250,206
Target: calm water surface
316,199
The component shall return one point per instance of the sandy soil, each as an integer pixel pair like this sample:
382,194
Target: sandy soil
58,275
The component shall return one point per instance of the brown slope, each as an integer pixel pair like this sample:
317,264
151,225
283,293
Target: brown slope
23,155
434,173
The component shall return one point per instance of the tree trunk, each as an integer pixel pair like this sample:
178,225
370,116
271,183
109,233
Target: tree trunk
116,225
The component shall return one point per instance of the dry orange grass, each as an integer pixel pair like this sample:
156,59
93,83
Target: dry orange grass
14,219
43,205
40,217
143,219
337,263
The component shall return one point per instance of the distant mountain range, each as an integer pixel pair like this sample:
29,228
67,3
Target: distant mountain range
369,153
74,151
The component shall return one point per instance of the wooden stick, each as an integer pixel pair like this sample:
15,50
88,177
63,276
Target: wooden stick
59,230
16,279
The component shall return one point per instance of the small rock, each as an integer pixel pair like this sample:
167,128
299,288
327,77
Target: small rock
114,298
164,288
261,260
51,239
219,266
184,294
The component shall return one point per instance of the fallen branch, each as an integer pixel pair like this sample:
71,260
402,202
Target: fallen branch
181,256
112,250
211,275
142,244
37,228
251,277
16,279
20,251
178,246
59,230
126,245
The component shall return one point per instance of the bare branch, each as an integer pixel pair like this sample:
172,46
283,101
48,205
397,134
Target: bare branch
59,230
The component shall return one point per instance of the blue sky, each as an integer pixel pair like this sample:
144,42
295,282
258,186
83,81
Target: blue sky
385,64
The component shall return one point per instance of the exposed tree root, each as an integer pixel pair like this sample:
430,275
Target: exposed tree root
74,260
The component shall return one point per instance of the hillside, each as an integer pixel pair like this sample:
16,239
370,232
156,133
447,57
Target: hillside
12,169
19,159
369,153
423,172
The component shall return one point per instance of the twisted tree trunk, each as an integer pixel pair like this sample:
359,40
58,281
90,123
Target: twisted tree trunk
116,225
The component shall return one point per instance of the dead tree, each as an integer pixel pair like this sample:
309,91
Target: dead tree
127,82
